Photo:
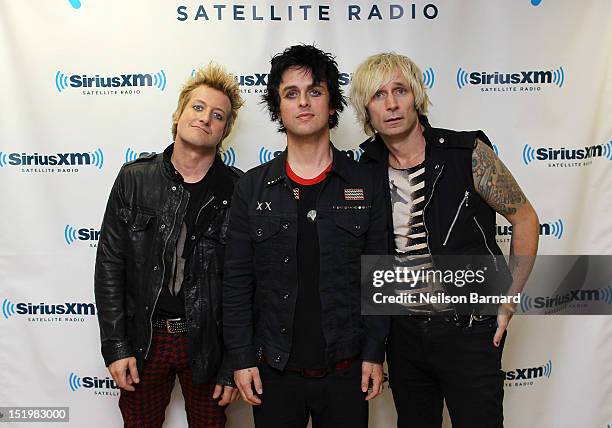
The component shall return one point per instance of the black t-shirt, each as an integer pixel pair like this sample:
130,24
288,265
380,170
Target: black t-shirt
308,345
171,303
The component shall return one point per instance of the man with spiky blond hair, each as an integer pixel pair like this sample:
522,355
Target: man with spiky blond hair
159,264
445,188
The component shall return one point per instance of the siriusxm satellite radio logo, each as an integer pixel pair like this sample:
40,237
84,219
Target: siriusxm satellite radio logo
256,83
520,81
554,229
121,84
228,156
100,386
266,155
55,162
564,158
526,376
87,234
132,155
572,299
354,154
429,77
45,312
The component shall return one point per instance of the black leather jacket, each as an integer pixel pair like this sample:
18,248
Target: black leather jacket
138,238
260,285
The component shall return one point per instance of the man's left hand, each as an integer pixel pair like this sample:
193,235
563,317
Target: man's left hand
227,393
371,371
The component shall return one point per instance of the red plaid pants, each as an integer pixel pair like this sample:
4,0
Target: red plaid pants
168,358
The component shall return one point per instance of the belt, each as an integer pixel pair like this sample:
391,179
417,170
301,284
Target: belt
171,325
319,373
457,320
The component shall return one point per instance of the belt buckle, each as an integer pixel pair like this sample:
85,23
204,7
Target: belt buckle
168,322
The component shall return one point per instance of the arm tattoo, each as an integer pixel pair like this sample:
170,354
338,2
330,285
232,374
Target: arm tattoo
494,182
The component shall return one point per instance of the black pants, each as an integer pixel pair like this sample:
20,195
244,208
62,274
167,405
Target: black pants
432,359
334,401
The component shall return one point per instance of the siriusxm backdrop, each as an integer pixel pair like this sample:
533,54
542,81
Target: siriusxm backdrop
88,85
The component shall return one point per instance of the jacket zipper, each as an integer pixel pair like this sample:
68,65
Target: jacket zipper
162,276
487,245
465,197
204,206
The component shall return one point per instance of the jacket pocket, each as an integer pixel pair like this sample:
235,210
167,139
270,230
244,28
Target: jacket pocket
356,224
141,233
263,228
264,233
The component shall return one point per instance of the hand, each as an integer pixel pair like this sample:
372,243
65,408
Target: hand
373,371
504,315
124,373
228,394
244,378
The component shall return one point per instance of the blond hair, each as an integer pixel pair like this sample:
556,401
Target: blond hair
376,71
214,76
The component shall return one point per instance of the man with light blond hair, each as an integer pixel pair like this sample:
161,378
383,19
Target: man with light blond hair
444,190
159,264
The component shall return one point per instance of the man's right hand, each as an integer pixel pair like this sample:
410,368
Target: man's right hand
125,373
244,379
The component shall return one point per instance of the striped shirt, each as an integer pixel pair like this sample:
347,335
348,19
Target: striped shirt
407,187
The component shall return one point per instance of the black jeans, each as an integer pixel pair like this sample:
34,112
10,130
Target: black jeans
334,401
431,360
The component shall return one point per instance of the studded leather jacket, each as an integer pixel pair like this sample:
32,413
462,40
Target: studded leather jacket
138,239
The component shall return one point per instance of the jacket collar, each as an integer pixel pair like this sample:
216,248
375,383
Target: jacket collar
277,172
221,184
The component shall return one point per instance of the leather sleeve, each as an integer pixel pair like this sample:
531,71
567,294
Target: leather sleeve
109,278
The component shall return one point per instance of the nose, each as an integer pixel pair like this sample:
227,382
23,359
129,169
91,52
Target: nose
391,102
304,99
205,116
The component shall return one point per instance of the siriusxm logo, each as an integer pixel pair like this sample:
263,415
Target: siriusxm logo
530,373
228,156
354,154
429,77
104,386
94,158
554,229
72,234
64,81
555,303
132,155
10,309
266,155
532,77
550,154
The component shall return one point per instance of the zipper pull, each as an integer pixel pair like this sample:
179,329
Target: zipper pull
467,195
471,319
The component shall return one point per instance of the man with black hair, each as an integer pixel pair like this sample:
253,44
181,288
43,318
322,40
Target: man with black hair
291,297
